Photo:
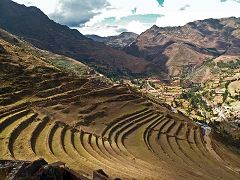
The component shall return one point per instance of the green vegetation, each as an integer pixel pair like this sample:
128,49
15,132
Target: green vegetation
231,65
195,99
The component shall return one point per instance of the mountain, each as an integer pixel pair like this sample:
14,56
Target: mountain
56,108
117,42
35,27
184,47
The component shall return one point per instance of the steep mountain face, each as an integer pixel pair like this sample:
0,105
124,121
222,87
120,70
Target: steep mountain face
35,27
177,48
118,42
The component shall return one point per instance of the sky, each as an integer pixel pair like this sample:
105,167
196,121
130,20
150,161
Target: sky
112,17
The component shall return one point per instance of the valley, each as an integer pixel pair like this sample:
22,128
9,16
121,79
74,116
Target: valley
55,108
209,95
164,104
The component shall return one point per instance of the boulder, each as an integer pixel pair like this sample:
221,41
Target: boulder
100,175
35,166
2,50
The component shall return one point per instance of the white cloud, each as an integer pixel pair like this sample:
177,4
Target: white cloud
75,12
122,9
137,27
47,6
93,12
198,10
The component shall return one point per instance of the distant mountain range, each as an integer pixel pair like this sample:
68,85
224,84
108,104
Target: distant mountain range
175,49
119,42
34,26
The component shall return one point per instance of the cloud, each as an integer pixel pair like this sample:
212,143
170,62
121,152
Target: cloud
137,27
75,13
184,7
120,30
110,8
26,2
238,1
115,25
109,26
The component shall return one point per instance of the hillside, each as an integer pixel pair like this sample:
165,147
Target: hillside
208,94
217,83
118,42
187,47
35,27
54,107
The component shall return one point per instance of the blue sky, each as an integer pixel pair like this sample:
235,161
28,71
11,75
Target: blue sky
111,17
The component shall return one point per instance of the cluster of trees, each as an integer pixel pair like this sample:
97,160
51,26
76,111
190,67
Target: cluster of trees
195,100
231,65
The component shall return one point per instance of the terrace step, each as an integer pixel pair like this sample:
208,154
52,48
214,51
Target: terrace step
10,119
116,164
42,148
77,144
7,126
68,145
94,156
36,131
21,128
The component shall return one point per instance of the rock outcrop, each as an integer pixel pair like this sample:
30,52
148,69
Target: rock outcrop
36,170
2,50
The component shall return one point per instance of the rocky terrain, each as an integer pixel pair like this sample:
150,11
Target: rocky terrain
187,47
41,170
118,42
56,108
35,27
38,169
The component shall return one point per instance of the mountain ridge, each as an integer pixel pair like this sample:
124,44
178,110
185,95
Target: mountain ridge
193,43
34,26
